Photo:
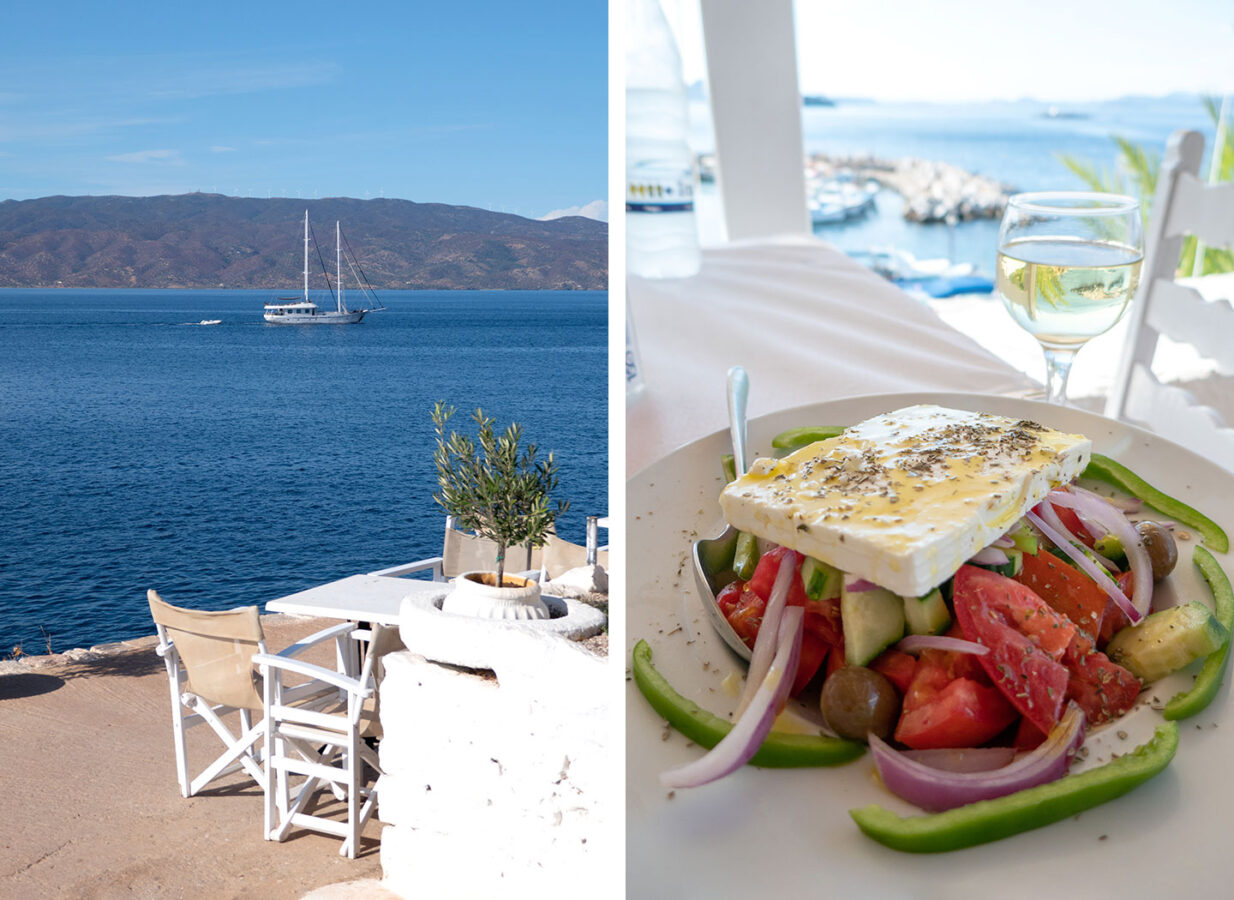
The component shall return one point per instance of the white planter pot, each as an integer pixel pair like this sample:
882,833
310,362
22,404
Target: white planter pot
472,597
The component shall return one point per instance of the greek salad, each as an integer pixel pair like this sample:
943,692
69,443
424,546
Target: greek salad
975,697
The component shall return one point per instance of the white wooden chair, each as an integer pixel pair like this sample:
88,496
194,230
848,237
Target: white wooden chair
466,552
756,111
1163,307
209,661
327,748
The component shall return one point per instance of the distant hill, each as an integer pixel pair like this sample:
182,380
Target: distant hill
212,241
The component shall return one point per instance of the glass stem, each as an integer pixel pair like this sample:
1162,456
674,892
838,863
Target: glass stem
1057,368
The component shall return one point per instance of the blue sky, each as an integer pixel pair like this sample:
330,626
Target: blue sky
973,50
485,103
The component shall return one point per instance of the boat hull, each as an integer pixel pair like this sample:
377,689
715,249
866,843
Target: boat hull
319,318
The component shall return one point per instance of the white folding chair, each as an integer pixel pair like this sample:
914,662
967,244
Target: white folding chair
209,660
327,748
1163,307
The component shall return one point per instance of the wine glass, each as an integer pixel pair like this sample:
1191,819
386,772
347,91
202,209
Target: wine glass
1068,265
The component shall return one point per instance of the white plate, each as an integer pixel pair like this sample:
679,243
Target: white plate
766,832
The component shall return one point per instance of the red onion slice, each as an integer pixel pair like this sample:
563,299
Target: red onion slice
752,727
1090,568
1142,567
1050,514
989,556
915,643
1093,527
935,790
1003,543
859,586
766,642
1127,505
963,759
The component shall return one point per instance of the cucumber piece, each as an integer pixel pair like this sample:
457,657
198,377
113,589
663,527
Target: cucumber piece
821,581
1111,548
928,614
745,557
1015,562
729,465
1167,640
873,621
1024,538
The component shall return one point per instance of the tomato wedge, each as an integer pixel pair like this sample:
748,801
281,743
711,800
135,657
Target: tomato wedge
765,575
1066,589
744,611
1115,619
1103,689
897,666
943,709
1026,637
744,603
813,652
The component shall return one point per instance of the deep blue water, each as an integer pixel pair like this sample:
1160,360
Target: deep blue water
1010,141
233,464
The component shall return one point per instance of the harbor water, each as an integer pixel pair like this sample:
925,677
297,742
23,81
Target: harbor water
1016,142
235,463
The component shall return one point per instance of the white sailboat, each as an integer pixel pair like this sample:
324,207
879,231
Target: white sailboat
297,311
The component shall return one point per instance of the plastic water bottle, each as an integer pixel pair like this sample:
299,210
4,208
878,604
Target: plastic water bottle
661,231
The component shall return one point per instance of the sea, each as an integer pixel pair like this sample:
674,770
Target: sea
1016,142
232,464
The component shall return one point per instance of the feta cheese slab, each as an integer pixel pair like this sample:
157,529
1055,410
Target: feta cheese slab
905,498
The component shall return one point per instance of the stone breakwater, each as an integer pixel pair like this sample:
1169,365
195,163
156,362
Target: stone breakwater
932,191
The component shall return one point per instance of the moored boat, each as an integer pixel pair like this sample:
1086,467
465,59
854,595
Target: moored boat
303,311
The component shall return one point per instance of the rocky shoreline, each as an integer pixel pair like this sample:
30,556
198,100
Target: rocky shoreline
932,191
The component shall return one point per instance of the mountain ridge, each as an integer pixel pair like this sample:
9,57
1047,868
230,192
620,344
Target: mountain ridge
215,241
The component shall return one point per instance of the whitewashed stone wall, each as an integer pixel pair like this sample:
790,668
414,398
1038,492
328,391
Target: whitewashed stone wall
497,781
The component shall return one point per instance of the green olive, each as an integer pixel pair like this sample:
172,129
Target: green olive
857,701
1159,543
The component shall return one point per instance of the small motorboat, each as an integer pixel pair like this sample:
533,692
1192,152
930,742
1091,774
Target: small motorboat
210,322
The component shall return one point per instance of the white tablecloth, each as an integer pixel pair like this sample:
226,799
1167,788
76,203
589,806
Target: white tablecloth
805,321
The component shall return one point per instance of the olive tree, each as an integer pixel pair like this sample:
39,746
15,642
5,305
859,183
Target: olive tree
492,486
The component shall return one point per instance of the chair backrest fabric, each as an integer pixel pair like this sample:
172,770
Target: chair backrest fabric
464,552
1183,205
216,650
560,556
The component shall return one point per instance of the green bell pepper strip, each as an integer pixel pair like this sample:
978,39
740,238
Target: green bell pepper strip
796,438
1207,683
992,820
779,751
1105,469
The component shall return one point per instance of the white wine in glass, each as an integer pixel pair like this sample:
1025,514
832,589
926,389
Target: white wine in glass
1068,265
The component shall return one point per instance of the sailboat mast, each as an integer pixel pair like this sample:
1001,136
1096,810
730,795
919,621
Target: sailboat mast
338,267
306,255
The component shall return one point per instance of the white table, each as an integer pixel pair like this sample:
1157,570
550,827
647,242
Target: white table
358,598
807,322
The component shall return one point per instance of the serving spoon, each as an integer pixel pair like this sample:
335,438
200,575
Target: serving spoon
713,557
